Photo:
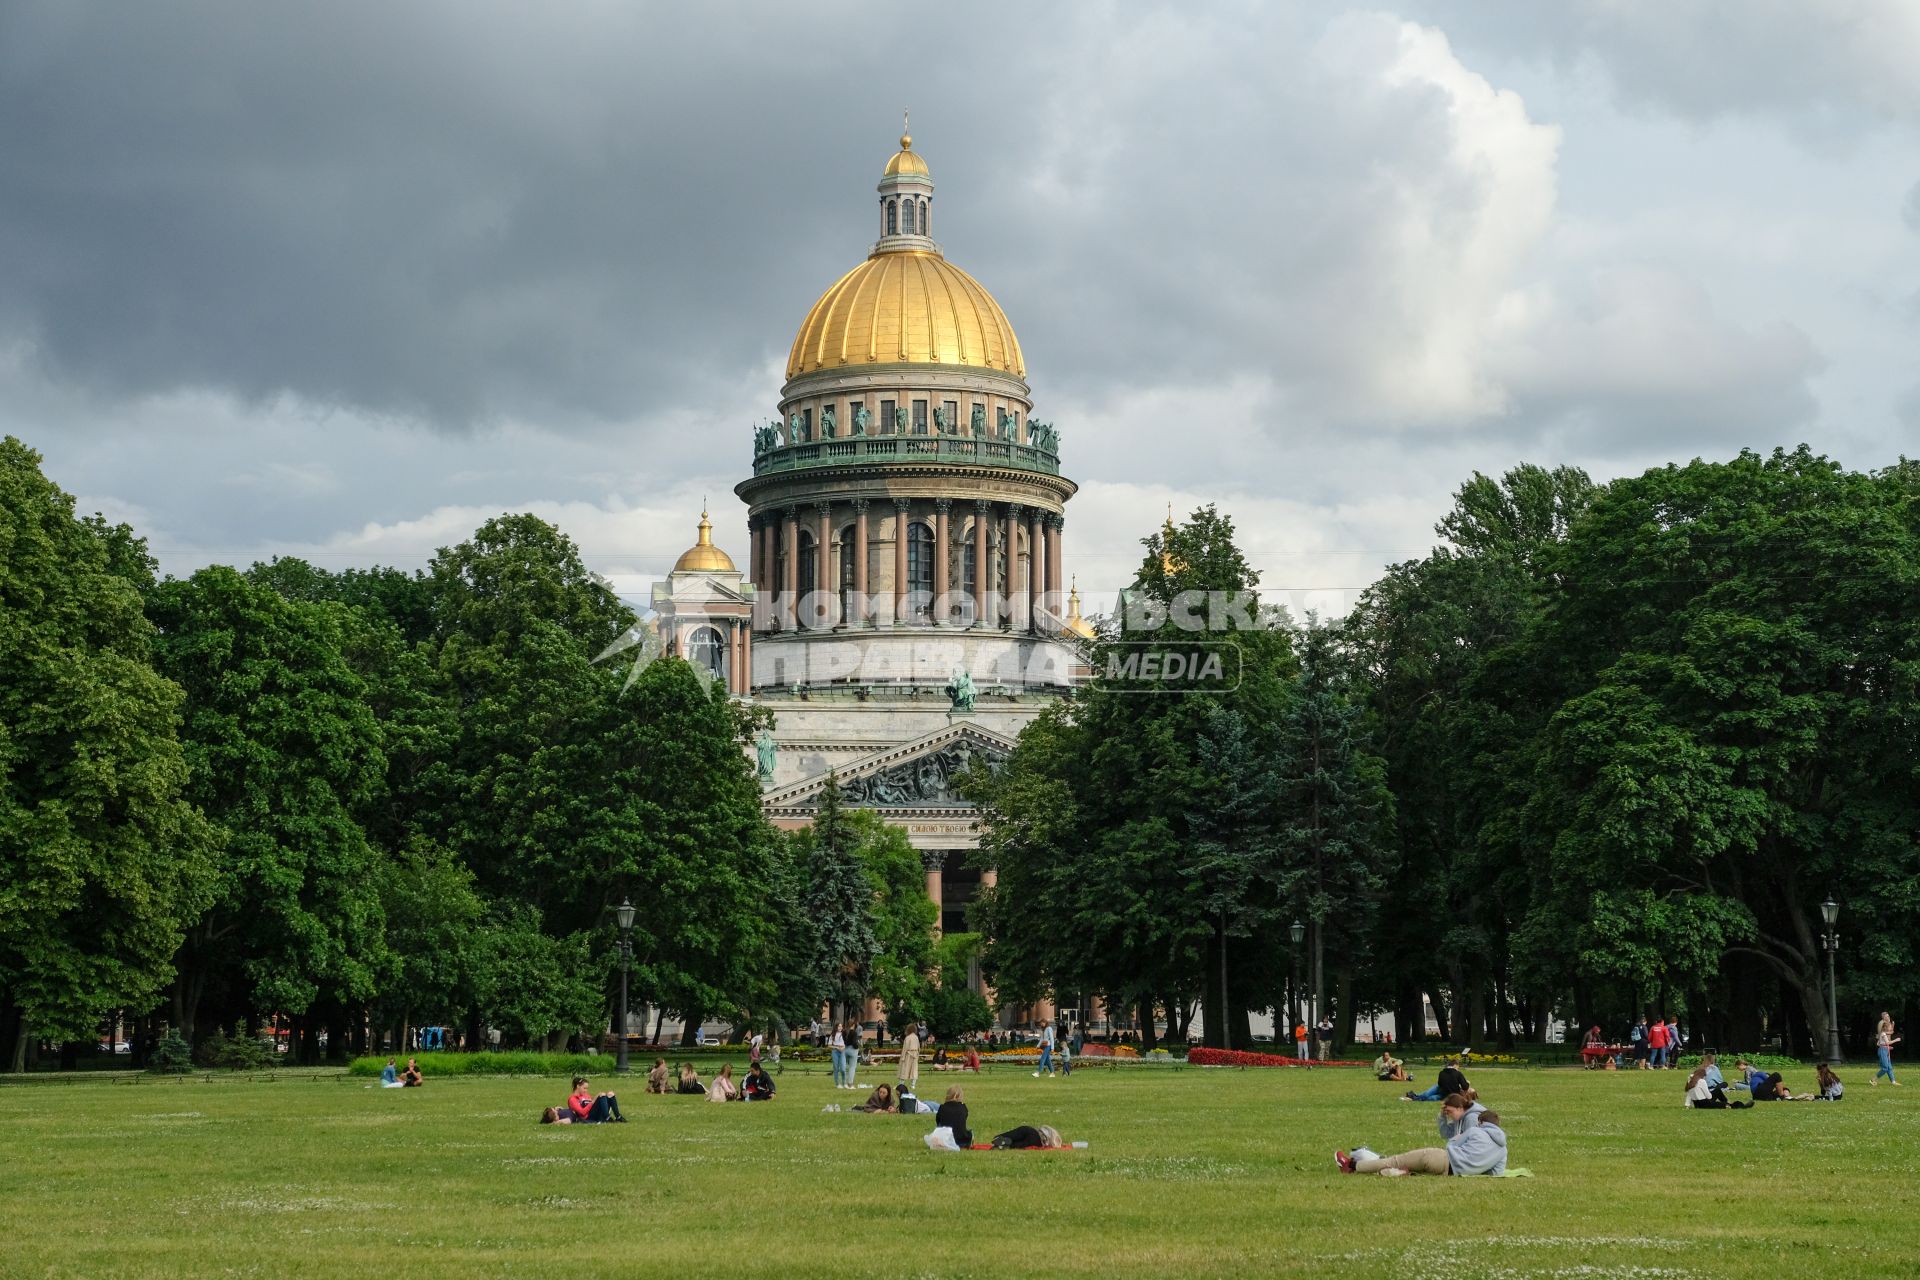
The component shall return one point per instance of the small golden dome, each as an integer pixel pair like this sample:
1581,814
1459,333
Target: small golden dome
703,556
906,160
906,308
1074,623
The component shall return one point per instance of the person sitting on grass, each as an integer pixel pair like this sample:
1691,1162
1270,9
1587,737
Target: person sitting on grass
689,1080
759,1084
1770,1088
390,1078
1710,1063
1388,1067
1450,1082
1830,1088
410,1078
879,1102
953,1115
973,1058
657,1078
586,1108
723,1089
1478,1149
1704,1094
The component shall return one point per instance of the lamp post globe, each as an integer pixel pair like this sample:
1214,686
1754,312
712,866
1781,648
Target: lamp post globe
623,916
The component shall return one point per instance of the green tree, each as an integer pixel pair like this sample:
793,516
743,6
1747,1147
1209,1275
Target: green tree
1130,826
1739,650
103,861
903,915
1454,726
283,753
840,904
1337,832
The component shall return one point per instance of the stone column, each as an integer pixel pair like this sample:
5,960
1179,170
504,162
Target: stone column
859,563
736,656
826,583
746,663
1037,566
982,565
1056,597
753,550
941,582
1013,566
933,860
790,587
900,562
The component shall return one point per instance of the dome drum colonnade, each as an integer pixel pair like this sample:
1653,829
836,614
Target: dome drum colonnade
906,485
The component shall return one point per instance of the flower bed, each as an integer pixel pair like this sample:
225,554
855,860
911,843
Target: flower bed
1200,1057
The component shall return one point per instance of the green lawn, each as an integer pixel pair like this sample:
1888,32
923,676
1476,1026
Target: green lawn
1202,1172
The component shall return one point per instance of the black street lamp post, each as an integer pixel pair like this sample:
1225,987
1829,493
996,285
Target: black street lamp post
1296,931
1830,939
623,915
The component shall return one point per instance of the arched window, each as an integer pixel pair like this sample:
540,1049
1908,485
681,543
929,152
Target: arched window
848,611
926,218
969,581
920,568
707,651
892,218
909,211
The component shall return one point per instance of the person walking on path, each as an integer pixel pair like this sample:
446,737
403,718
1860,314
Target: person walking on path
1883,1041
1046,1050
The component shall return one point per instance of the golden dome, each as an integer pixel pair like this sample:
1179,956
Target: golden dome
906,307
1074,624
703,556
906,160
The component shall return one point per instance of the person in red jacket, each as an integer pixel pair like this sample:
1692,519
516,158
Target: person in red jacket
1657,1044
588,1109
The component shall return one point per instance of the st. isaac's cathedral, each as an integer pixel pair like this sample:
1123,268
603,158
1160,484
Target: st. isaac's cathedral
903,611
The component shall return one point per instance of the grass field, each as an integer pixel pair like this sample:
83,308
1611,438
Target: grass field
1201,1172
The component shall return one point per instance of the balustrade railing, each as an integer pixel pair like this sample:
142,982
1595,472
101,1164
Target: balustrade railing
857,449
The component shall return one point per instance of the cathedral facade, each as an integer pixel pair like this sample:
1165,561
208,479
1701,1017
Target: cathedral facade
904,610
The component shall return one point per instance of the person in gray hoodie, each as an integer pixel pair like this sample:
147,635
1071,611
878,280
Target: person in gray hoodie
1459,1113
1479,1148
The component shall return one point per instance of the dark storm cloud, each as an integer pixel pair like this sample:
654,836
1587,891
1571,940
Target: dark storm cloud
462,213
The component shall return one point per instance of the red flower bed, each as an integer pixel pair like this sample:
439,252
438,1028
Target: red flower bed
1241,1058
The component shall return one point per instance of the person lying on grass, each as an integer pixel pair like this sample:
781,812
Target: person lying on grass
1028,1137
879,1102
1388,1067
1450,1081
1477,1149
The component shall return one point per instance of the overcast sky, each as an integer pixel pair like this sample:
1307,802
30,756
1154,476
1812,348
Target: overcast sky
344,280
